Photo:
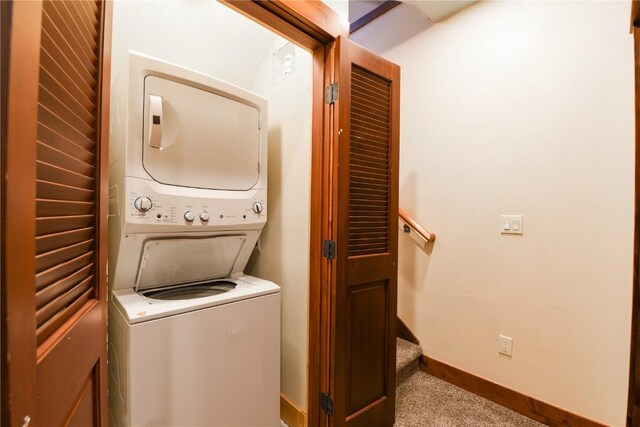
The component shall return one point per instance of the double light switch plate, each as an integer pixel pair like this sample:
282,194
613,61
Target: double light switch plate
511,224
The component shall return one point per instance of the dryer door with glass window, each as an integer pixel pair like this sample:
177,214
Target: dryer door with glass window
196,138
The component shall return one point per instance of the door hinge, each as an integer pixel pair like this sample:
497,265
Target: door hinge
326,404
331,93
329,249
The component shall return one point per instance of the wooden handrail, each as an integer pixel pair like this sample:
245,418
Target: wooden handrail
422,232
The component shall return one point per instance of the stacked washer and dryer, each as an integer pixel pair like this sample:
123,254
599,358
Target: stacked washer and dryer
192,340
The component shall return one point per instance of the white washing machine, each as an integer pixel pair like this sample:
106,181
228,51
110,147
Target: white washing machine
192,340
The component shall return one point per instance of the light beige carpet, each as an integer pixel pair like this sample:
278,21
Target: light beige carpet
423,400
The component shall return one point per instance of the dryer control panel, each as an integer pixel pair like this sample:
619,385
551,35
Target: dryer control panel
146,206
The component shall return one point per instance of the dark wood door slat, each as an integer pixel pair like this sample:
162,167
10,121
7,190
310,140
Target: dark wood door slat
51,103
53,156
371,101
66,75
94,10
74,103
366,195
373,120
359,171
62,301
367,241
369,163
371,93
82,29
84,46
57,224
54,191
377,85
369,174
49,293
369,143
43,332
367,132
370,154
47,207
365,169
366,104
85,18
52,44
363,184
50,119
53,71
364,114
367,234
59,271
364,76
371,248
356,212
380,207
52,173
381,89
82,150
67,35
53,241
91,12
380,229
49,259
369,140
363,224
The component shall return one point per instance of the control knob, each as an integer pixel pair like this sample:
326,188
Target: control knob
257,207
189,216
204,216
142,204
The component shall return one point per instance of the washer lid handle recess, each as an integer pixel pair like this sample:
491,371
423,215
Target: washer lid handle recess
166,262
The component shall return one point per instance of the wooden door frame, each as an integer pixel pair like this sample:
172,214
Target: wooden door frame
18,263
633,416
315,27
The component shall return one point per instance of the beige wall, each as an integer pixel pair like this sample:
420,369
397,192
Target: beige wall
284,255
203,35
520,108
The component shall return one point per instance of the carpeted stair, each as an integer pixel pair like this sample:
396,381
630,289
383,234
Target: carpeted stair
407,360
425,401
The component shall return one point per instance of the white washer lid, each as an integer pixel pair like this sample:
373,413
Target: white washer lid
169,261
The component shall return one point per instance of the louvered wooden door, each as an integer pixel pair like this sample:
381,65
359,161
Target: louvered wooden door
57,160
364,305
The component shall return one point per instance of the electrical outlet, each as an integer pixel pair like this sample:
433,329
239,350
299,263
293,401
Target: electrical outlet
506,345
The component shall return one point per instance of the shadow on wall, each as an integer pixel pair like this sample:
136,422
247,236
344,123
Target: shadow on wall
274,178
384,34
413,261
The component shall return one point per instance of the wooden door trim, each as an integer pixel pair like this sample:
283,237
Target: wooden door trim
633,414
310,24
18,226
314,26
102,173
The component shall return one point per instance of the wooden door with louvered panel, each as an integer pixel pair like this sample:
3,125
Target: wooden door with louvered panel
58,150
364,308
